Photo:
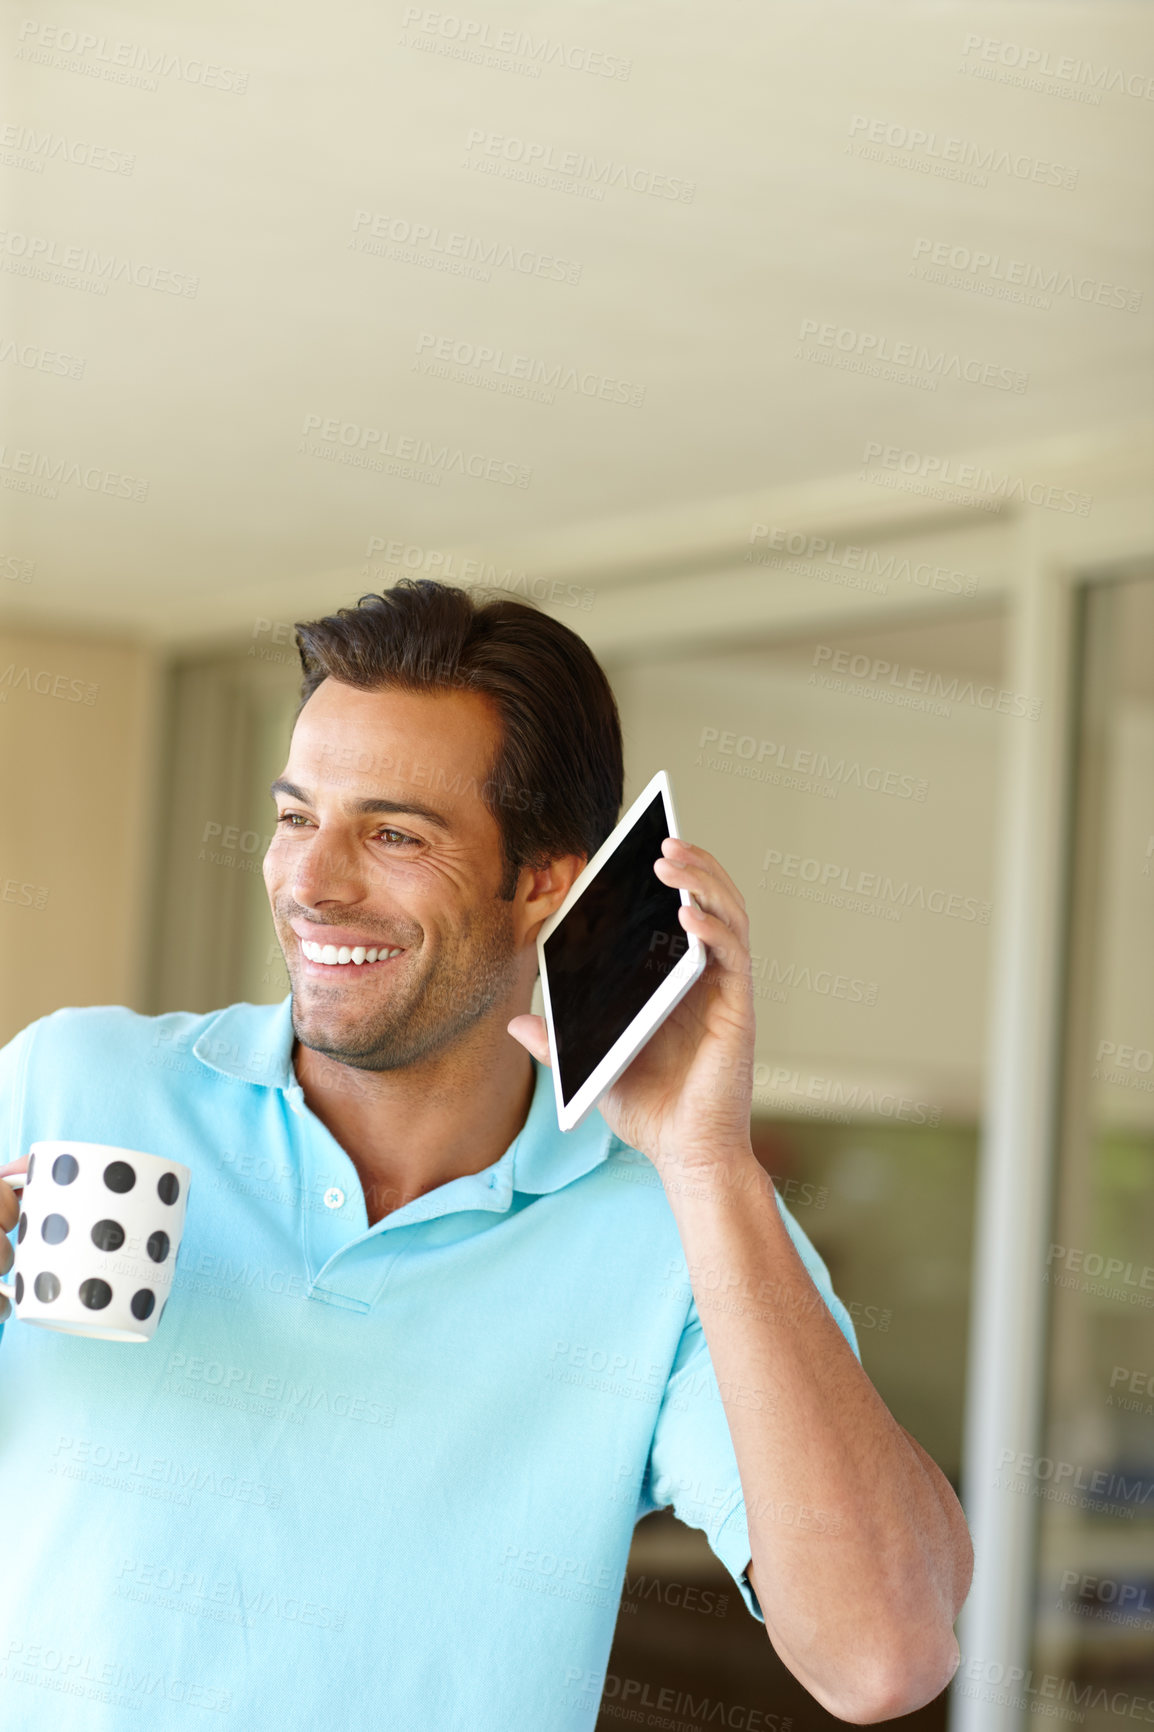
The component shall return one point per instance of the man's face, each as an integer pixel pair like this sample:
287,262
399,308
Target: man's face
419,873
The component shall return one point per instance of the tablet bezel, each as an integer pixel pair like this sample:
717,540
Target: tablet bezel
657,1007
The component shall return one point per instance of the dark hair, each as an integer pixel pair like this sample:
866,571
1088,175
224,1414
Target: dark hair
556,781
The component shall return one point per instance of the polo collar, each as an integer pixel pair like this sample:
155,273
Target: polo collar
253,1043
544,1156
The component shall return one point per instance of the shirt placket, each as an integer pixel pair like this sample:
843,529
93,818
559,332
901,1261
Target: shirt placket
347,1261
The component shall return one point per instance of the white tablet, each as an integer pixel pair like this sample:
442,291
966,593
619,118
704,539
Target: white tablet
615,959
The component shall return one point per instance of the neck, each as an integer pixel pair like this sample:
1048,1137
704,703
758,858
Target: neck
407,1131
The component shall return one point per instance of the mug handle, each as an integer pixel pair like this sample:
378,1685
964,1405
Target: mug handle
17,1182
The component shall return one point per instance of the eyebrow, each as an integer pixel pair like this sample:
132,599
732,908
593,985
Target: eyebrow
375,804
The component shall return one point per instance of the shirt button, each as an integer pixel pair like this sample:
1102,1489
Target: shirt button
334,1197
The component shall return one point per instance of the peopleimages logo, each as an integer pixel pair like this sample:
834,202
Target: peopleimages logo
34,255
40,473
573,168
936,152
42,147
481,42
368,447
468,573
1012,279
825,879
801,550
872,346
121,62
1106,1591
935,687
626,1697
806,768
1096,1487
992,485
496,369
1047,1694
428,245
802,977
1066,67
40,360
779,1083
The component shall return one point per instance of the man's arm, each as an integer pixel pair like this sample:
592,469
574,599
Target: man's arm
861,1555
861,1603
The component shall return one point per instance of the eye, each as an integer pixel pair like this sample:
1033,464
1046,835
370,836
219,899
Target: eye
392,838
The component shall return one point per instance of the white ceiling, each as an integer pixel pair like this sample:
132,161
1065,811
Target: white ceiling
254,192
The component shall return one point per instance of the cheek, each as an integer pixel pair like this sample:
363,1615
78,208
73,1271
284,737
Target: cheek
399,881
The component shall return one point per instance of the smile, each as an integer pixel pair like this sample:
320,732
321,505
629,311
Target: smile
332,957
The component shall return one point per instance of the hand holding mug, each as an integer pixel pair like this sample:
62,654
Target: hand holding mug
9,1215
97,1233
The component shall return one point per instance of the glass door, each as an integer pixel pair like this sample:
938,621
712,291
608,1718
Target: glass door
1093,1478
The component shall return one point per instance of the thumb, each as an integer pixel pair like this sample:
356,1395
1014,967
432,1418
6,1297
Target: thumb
532,1034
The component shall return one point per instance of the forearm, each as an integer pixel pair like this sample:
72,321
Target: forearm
860,1595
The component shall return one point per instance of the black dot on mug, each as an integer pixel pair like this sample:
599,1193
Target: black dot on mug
168,1189
143,1302
158,1246
53,1229
46,1287
108,1235
20,1289
28,1174
21,1229
95,1293
119,1176
64,1169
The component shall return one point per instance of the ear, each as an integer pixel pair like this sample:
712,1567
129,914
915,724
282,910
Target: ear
541,891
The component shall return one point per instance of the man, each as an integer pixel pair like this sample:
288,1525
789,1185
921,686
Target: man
426,1359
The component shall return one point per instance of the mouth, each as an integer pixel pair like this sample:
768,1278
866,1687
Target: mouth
329,960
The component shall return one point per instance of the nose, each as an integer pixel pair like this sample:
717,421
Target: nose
326,870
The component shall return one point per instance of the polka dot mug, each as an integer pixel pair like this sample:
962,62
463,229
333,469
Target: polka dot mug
97,1239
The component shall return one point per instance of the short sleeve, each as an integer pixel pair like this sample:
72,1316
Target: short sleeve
692,1465
13,1069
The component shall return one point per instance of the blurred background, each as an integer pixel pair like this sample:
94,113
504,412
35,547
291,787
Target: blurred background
798,357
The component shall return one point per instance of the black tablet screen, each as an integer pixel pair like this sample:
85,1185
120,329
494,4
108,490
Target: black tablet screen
613,949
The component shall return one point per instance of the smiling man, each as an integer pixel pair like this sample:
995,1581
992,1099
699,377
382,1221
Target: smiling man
427,1360
415,876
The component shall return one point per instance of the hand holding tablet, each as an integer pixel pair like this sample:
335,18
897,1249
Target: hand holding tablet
615,959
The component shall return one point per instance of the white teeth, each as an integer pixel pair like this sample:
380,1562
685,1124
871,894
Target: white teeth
337,958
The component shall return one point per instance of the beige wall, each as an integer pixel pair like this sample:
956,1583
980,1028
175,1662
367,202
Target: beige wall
78,734
916,1029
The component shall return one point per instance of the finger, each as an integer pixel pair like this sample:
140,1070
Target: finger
6,1254
726,950
9,1207
696,856
713,896
532,1034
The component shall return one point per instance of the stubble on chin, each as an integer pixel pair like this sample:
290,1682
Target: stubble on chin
437,1010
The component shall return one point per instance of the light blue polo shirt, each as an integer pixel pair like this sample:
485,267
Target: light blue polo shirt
362,1477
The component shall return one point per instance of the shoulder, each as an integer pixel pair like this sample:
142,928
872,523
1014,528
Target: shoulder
91,1039
111,1027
